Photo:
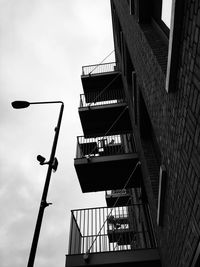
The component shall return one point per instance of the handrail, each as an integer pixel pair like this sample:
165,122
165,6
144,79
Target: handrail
99,68
103,207
117,192
102,61
108,98
105,146
126,229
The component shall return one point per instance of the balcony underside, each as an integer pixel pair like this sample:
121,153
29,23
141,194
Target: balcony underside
107,172
136,258
121,200
94,123
97,82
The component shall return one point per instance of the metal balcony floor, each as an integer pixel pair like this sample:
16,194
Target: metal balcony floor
99,119
108,172
137,258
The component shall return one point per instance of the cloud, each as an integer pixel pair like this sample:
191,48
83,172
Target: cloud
43,45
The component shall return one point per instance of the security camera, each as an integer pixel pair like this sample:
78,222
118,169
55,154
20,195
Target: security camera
41,159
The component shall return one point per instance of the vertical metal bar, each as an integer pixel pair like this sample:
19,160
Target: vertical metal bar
87,223
107,243
105,214
99,228
113,231
83,231
127,236
92,225
103,232
75,233
130,225
95,233
122,235
70,236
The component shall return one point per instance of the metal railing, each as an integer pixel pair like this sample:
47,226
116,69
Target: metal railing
105,145
99,68
98,99
118,193
110,229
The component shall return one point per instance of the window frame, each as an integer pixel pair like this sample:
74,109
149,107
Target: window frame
174,45
161,194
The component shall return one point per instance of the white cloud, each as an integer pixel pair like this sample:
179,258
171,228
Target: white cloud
43,45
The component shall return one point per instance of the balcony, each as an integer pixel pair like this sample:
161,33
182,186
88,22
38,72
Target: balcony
107,162
99,76
95,107
120,197
118,236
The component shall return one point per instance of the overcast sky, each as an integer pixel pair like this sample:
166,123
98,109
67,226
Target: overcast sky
43,45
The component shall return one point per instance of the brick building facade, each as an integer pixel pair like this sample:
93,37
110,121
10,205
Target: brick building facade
161,76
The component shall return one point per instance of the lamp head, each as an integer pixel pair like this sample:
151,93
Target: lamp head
20,104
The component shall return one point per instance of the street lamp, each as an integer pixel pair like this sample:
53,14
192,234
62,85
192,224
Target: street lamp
52,165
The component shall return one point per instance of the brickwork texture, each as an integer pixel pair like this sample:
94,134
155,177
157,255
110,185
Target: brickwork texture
175,118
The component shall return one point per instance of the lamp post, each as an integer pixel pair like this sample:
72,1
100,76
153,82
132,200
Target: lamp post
52,164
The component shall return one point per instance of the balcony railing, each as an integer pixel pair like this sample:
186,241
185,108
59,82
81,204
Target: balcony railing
99,99
99,68
105,146
118,192
118,197
110,229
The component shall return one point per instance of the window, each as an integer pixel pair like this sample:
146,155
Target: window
174,44
132,7
161,13
166,12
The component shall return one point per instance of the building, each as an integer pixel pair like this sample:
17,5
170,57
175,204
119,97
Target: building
141,125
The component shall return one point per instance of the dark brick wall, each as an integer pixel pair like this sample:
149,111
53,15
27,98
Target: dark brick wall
175,118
